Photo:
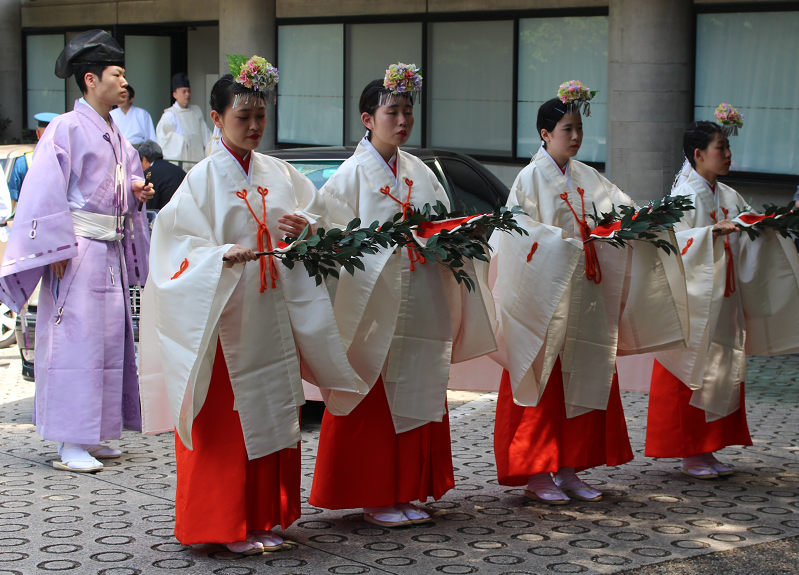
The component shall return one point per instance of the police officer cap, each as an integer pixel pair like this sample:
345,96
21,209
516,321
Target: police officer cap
45,118
95,47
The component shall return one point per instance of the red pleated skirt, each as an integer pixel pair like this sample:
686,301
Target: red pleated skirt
221,495
541,439
675,428
363,462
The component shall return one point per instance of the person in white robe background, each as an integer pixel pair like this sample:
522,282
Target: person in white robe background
568,306
223,342
135,123
405,321
182,132
742,297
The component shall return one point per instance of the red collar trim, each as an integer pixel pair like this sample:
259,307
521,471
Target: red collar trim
393,166
243,162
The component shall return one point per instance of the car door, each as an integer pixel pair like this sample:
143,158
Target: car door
473,192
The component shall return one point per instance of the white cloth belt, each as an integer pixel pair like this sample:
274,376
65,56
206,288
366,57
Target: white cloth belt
95,226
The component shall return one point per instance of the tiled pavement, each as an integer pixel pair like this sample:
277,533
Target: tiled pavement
119,521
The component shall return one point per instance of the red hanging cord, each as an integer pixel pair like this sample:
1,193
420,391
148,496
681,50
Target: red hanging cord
592,270
532,251
263,232
413,253
184,265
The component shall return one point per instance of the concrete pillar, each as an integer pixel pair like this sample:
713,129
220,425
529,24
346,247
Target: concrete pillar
248,27
650,66
11,63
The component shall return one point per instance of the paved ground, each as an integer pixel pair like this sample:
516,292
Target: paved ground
653,520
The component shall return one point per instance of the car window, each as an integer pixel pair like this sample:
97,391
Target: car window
318,172
432,163
474,193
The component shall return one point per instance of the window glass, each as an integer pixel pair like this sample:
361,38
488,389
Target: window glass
738,62
470,82
318,172
553,51
46,91
310,105
368,56
147,68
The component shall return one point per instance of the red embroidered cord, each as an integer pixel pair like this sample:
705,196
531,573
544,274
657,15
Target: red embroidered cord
729,286
413,253
184,265
532,251
688,245
263,232
592,270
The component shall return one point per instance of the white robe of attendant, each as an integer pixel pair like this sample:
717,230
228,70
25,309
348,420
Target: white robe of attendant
183,134
407,326
547,306
136,125
758,318
264,336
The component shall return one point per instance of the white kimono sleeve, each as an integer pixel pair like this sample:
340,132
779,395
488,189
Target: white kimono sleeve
184,326
768,279
170,136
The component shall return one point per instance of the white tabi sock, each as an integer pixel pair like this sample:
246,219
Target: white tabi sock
76,457
542,485
567,480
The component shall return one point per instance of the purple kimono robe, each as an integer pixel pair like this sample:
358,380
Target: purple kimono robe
85,362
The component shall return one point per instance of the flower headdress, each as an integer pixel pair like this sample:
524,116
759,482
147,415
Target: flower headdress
256,74
730,120
576,96
401,80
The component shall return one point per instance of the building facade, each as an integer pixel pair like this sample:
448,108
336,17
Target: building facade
658,64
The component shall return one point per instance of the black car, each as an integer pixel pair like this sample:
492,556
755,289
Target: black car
471,188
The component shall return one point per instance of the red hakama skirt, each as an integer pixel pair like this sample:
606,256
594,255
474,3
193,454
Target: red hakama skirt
541,439
363,462
675,428
221,495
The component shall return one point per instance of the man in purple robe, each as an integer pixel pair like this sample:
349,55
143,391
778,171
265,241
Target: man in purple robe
78,229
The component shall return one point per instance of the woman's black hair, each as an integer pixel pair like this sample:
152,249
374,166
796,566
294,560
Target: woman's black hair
224,91
549,114
698,136
370,97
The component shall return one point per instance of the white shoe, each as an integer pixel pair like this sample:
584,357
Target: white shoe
246,547
102,451
267,539
541,488
718,466
574,487
413,513
385,516
696,467
75,458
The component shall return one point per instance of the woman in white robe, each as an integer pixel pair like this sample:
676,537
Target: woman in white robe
405,320
567,309
742,297
231,335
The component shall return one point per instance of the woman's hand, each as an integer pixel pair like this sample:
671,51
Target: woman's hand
724,227
292,224
59,268
238,254
142,190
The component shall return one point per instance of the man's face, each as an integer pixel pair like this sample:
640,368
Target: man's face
182,97
110,86
126,103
